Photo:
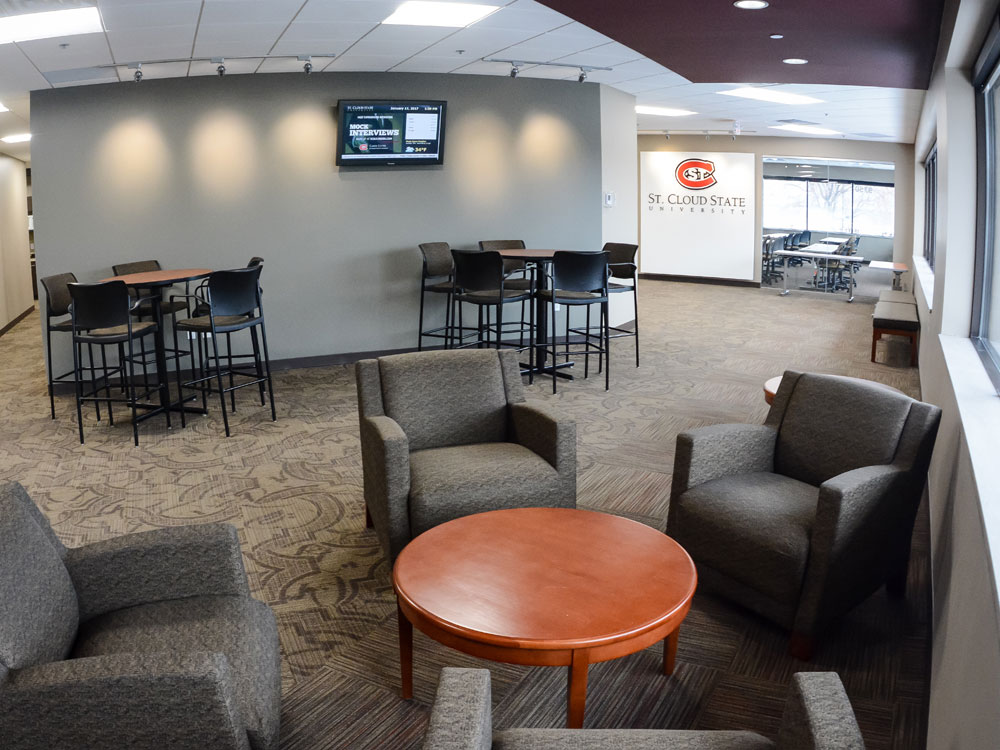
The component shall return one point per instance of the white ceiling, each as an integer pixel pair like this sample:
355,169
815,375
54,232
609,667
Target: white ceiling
346,35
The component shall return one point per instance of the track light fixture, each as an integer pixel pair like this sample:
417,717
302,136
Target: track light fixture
666,134
138,72
307,65
514,70
515,66
583,75
221,70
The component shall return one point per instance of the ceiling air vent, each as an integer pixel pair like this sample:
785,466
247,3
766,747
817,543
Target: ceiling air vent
76,76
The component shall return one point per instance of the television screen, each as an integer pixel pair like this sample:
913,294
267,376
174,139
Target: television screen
390,133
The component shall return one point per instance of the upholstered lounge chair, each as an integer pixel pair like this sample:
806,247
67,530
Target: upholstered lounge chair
146,641
817,716
449,433
803,517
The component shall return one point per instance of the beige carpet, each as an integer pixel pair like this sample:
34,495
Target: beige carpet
293,489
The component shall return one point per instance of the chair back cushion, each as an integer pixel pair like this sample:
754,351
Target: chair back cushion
834,424
101,305
437,258
38,608
57,293
443,398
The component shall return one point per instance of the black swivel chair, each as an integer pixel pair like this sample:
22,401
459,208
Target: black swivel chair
480,280
102,315
579,279
233,302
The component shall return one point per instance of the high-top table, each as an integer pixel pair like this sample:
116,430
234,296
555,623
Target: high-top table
157,281
543,587
540,258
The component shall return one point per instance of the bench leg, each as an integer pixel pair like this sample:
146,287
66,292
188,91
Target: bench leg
875,337
913,349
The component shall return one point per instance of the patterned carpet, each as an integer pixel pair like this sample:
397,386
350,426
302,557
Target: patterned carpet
293,489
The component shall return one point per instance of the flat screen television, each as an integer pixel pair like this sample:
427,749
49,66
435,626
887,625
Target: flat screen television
390,133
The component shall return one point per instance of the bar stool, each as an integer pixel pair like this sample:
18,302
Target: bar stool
233,299
479,279
580,279
57,302
510,268
436,279
622,265
102,315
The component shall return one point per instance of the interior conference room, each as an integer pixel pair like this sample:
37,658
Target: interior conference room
512,374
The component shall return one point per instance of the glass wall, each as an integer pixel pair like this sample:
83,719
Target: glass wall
831,206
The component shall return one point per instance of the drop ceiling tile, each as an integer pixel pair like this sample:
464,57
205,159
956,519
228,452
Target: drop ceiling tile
239,12
605,55
525,15
84,50
121,16
477,42
331,11
81,76
352,61
340,31
481,68
399,41
164,43
17,74
428,64
246,32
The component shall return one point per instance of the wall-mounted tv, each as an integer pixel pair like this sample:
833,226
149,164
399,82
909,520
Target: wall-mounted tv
390,133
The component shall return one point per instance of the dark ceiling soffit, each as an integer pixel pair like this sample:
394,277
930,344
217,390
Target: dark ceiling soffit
847,43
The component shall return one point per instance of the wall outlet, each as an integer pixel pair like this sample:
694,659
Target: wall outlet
609,198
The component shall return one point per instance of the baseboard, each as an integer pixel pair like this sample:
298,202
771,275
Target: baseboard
698,279
17,320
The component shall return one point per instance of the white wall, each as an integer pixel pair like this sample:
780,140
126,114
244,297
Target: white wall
15,259
619,175
964,479
206,172
900,154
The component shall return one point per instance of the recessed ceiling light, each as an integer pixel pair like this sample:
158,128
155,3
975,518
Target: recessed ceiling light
19,138
663,111
771,95
52,23
777,36
794,61
3,108
750,4
810,129
455,15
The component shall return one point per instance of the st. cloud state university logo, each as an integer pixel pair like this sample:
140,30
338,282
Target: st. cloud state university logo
695,174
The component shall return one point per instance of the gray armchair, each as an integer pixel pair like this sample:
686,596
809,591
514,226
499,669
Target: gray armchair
145,641
445,434
803,517
817,716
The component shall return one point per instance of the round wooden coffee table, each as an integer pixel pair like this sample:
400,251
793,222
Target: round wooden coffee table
543,587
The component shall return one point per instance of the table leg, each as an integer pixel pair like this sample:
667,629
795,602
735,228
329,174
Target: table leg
670,651
576,690
405,653
784,276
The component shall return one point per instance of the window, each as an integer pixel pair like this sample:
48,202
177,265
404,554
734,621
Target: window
986,293
784,204
831,206
930,206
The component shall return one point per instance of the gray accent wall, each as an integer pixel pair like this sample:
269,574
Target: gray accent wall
207,172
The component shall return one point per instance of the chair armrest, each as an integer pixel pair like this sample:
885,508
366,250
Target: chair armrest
858,515
139,701
721,450
461,717
545,431
152,566
385,459
818,715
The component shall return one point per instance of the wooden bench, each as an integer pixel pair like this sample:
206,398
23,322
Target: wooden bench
898,319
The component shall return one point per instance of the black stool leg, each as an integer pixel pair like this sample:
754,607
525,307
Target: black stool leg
218,377
229,360
607,345
635,300
420,319
79,387
180,383
267,369
256,361
48,367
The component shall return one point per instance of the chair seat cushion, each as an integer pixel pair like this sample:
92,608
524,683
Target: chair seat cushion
633,739
241,628
61,325
521,284
753,528
223,323
613,288
562,294
166,307
444,287
117,333
490,296
448,483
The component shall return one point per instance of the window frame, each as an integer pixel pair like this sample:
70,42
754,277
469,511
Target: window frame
852,183
985,79
930,205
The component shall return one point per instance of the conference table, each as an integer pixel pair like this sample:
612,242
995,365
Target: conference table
817,252
156,282
541,259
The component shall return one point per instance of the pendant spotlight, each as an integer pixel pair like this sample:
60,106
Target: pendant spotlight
307,66
515,66
138,72
583,75
221,70
514,70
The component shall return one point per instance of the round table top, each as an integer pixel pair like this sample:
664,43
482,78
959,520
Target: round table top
545,578
164,277
533,254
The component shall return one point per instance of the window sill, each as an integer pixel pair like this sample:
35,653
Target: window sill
923,276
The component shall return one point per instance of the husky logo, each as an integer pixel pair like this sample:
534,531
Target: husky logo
695,174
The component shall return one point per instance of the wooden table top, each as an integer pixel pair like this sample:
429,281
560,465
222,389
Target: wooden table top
518,254
545,578
164,277
889,266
